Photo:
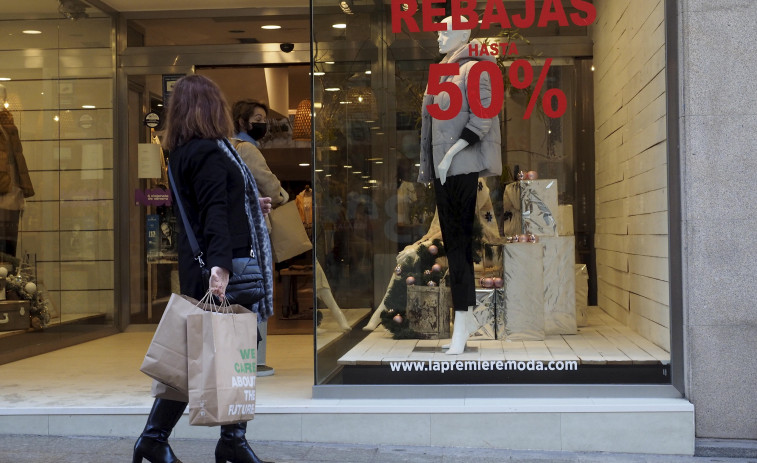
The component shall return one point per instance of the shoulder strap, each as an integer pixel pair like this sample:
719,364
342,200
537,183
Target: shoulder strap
187,227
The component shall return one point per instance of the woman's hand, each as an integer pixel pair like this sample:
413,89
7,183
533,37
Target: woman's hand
219,280
265,205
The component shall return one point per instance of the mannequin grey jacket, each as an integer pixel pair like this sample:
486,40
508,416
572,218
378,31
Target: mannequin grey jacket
483,154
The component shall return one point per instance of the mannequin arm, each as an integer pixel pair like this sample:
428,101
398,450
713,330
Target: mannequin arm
446,162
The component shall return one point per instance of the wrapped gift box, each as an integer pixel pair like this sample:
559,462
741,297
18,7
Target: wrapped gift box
522,305
538,204
490,265
582,295
511,217
565,220
14,315
559,284
428,311
485,314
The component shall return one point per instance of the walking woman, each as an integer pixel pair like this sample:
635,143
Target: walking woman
218,192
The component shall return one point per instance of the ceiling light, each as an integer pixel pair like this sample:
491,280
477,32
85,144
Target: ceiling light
332,89
304,164
88,106
368,72
319,73
329,62
339,26
270,27
5,78
346,6
31,32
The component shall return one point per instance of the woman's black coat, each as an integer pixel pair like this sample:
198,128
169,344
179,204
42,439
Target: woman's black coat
212,192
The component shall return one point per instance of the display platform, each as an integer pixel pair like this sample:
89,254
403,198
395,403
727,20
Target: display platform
328,332
605,351
61,320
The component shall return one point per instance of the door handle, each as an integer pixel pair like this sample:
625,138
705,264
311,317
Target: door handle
5,319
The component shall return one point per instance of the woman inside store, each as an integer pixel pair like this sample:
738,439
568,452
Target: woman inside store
250,127
217,189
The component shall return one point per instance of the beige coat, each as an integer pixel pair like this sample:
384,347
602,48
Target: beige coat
11,154
268,184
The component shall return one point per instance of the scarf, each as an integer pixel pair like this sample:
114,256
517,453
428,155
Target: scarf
258,232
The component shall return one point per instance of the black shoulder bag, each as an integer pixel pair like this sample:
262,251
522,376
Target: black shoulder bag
246,281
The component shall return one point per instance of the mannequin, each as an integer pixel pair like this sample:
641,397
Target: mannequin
15,184
304,202
454,165
490,234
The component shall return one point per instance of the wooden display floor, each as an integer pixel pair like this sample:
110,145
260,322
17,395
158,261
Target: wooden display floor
604,345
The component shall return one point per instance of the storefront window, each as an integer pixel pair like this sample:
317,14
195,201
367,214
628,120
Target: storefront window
56,175
578,98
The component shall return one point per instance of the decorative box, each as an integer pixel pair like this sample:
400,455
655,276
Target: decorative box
522,317
511,220
485,314
490,265
538,204
582,295
559,284
14,315
428,311
565,220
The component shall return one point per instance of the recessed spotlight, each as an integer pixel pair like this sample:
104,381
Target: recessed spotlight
368,72
271,26
339,26
348,167
329,62
5,78
332,89
319,73
88,106
304,164
31,32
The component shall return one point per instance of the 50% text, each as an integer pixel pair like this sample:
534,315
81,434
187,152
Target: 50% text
437,85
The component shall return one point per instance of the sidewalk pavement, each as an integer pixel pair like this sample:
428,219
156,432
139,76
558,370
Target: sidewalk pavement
49,449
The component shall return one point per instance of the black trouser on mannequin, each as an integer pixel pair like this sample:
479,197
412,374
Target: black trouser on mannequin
456,203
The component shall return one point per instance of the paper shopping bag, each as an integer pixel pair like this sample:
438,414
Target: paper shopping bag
166,358
288,235
222,361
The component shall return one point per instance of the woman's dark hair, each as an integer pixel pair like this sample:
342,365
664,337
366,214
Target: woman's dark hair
196,109
244,110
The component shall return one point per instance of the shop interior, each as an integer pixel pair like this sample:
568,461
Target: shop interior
609,172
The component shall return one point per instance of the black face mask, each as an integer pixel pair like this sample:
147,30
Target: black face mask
258,130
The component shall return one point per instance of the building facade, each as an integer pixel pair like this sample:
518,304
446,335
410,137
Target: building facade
627,112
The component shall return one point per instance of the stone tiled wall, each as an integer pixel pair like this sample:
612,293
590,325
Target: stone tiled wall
718,124
631,165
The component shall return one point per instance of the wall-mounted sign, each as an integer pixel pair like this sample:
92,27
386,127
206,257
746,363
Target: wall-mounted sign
152,197
168,82
152,119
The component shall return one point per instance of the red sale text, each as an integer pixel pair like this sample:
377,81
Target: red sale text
551,11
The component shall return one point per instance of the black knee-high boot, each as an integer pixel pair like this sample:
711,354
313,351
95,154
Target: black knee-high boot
233,447
153,443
